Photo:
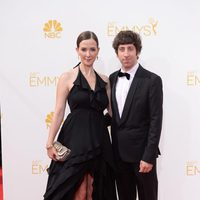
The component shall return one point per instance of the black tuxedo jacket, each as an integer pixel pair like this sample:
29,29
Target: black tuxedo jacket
135,136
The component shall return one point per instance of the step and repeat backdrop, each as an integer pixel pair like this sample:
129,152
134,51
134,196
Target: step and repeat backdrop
37,44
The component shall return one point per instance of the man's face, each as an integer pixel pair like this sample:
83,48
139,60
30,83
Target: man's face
127,55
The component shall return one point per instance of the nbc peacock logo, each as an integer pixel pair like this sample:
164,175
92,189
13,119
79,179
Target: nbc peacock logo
49,119
52,29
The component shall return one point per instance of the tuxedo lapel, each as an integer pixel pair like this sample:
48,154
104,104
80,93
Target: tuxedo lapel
130,95
113,96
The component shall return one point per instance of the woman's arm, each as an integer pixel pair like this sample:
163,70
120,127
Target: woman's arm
61,99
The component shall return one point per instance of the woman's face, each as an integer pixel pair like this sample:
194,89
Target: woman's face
88,52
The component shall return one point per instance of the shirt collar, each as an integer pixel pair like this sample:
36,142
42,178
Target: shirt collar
132,71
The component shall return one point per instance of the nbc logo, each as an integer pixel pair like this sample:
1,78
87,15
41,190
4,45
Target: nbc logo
52,29
48,120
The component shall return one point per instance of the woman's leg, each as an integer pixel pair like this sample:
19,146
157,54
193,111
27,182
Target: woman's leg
90,180
85,190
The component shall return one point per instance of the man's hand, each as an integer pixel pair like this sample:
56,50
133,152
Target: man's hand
145,167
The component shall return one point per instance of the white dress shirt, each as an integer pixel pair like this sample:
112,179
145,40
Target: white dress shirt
123,86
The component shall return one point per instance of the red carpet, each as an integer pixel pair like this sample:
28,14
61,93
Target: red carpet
1,185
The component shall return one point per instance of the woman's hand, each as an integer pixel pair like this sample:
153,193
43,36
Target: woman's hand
51,152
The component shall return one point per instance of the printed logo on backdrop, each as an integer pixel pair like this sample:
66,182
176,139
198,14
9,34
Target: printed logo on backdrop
52,29
147,29
193,78
39,167
193,168
49,119
37,80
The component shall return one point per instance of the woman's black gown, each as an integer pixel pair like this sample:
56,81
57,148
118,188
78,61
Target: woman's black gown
84,131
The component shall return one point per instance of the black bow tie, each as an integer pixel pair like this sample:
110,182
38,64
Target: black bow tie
120,74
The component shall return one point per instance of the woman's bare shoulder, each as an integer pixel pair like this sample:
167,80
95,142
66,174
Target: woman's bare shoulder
104,77
69,75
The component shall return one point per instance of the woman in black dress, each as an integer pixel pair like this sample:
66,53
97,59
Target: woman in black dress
87,174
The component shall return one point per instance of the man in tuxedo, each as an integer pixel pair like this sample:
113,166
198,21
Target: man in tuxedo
136,100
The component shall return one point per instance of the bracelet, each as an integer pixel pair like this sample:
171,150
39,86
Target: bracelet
49,146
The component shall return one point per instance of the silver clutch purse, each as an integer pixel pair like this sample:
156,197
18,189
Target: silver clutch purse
62,152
